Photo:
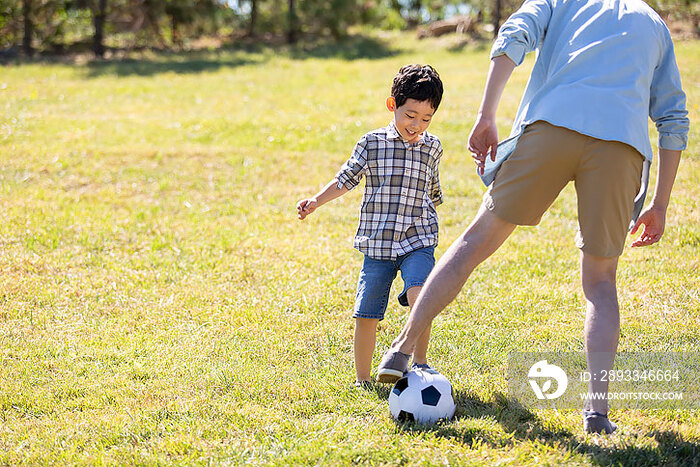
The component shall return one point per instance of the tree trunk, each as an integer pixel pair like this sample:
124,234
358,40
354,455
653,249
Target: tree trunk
28,28
292,33
253,17
99,20
496,17
175,30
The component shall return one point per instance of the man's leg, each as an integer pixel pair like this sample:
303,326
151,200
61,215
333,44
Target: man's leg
602,326
479,241
607,180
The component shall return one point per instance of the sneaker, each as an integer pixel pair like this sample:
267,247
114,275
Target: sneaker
596,422
393,366
422,367
364,385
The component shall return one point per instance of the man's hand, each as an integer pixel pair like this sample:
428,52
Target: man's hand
306,207
484,136
654,220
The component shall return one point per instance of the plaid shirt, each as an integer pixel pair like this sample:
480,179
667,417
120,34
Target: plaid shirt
402,189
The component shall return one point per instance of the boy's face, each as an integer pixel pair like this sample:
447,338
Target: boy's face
412,118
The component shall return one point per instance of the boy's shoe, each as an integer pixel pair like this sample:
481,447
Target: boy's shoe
364,385
596,422
423,367
393,366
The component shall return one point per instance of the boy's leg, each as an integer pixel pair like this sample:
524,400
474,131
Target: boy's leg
415,269
364,341
420,354
373,289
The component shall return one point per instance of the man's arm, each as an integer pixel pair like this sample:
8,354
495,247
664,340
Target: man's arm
668,110
484,135
654,217
667,103
328,193
519,35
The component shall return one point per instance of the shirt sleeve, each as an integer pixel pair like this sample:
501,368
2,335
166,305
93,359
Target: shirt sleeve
667,102
434,189
523,31
354,168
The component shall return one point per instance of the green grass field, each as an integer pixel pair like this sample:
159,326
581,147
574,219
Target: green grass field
161,304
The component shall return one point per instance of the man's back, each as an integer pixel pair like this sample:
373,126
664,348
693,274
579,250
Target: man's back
603,67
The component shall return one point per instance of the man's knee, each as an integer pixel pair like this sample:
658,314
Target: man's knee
486,233
598,275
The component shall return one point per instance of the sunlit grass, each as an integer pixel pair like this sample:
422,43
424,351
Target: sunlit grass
160,303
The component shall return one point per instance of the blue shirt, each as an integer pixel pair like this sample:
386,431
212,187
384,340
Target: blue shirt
602,68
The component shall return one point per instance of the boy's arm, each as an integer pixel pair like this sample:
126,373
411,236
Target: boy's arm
435,190
654,217
345,180
328,193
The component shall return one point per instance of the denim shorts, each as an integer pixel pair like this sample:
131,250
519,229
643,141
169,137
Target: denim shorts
377,276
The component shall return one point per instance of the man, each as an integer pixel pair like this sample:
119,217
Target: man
603,67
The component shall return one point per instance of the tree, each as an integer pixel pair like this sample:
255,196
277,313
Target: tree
292,32
496,17
99,21
28,28
253,18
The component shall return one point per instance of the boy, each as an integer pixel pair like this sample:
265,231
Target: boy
398,223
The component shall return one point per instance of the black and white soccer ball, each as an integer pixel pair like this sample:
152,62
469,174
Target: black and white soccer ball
423,396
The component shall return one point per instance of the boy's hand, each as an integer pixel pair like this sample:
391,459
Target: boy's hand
306,207
654,220
484,136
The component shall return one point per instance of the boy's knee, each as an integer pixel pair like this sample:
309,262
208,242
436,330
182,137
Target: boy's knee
364,323
412,294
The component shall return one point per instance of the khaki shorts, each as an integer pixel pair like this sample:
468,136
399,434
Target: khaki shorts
607,176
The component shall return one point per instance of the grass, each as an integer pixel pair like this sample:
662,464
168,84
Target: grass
161,304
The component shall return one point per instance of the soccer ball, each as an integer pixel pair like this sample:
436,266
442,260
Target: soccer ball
423,396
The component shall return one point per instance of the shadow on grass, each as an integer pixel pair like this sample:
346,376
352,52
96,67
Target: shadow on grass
180,63
382,390
524,425
352,47
232,56
477,45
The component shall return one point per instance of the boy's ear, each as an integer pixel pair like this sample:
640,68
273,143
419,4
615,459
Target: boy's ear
391,103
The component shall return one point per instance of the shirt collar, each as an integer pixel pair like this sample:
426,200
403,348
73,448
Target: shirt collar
393,133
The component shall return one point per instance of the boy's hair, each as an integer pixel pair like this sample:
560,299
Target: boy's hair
419,82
